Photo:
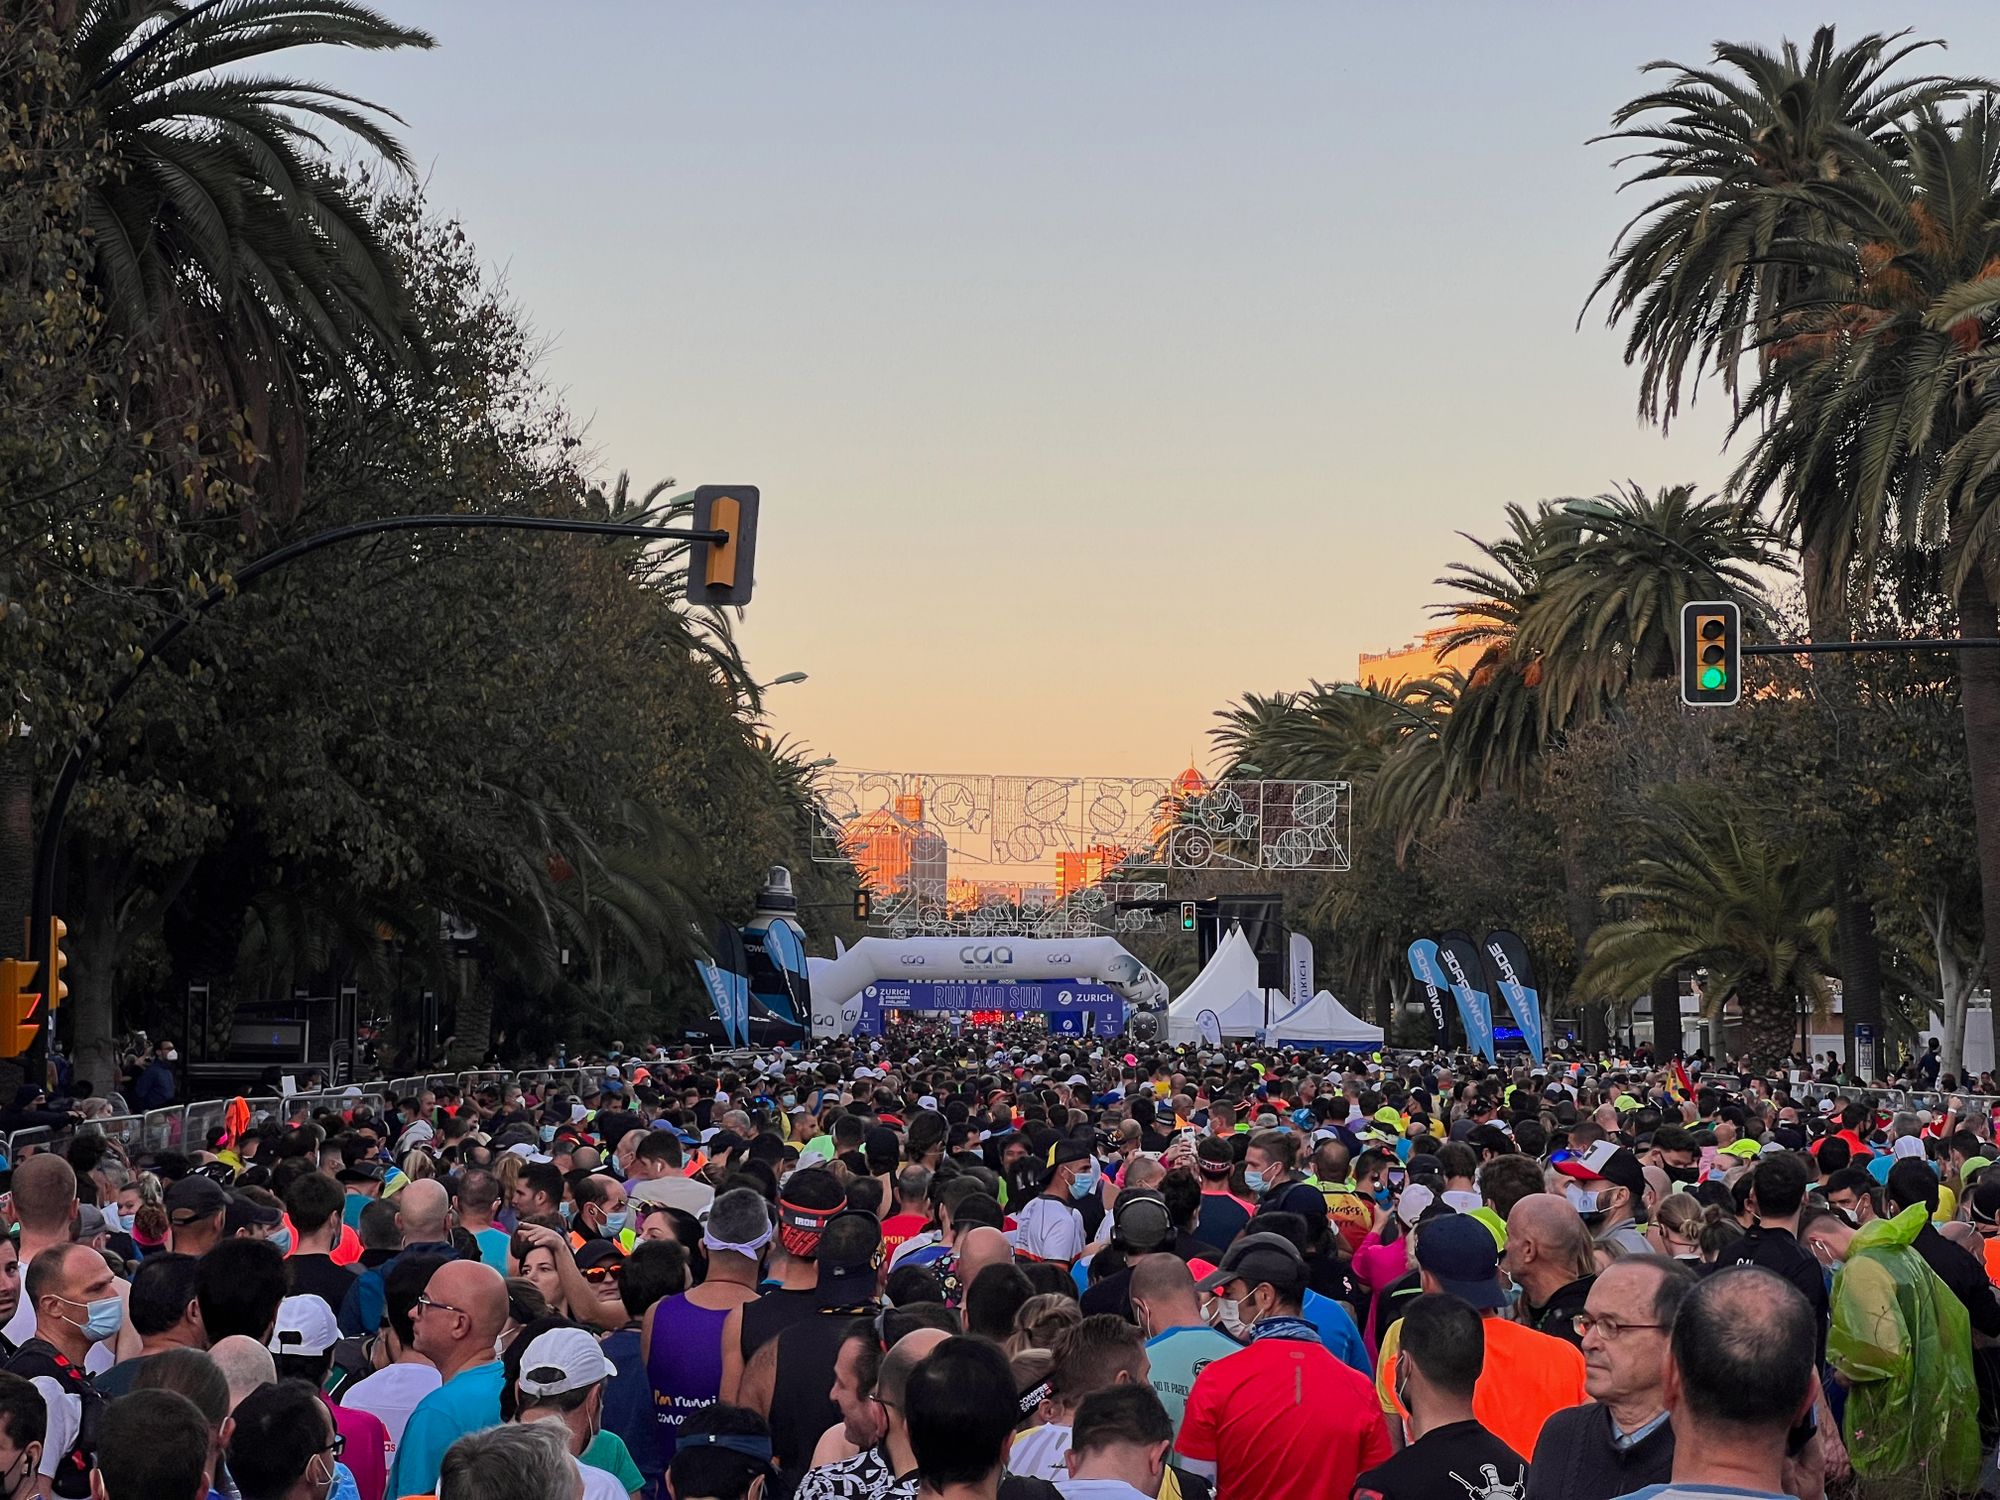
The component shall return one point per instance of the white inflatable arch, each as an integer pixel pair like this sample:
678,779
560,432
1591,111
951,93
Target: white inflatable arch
837,983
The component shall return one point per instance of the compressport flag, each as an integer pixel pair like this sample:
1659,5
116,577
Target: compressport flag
1424,964
1512,978
1460,957
1299,971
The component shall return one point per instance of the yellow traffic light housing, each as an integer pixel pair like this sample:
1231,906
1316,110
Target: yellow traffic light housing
58,961
1711,653
20,1007
724,572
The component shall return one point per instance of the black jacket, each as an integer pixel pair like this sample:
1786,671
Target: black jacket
1575,1458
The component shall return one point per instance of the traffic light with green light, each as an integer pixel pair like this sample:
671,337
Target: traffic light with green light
1187,916
1711,653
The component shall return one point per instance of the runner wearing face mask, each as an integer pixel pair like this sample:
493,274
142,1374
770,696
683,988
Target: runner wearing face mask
1608,1188
1048,1226
77,1304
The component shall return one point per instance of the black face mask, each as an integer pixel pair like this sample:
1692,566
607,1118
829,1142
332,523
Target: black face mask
1683,1174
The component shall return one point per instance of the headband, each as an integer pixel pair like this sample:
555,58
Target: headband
744,1443
1032,1398
813,1220
748,1247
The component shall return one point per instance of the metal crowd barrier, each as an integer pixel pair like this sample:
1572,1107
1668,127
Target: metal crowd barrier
34,1138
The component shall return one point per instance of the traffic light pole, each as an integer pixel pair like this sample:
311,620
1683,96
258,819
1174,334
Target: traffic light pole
49,844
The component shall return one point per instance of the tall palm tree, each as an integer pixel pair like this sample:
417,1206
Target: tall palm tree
1888,381
222,226
1695,275
1712,892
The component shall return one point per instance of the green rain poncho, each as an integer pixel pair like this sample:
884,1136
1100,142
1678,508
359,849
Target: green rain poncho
1901,1341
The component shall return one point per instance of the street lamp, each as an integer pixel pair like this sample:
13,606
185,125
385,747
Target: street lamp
819,765
787,679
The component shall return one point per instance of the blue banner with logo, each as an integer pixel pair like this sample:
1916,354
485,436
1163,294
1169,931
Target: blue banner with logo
1505,958
1423,956
1059,999
1459,956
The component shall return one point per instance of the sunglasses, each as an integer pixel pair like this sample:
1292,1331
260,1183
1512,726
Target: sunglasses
597,1275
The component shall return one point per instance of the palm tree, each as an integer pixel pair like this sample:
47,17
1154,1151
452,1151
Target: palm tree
1696,275
1712,892
222,227
1607,610
1693,270
1888,382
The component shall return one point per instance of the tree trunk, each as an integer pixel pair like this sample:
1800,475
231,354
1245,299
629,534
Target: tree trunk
1770,1023
1666,1004
1979,701
97,949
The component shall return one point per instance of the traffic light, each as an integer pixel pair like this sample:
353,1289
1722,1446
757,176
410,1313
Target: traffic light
20,1007
58,961
723,572
1187,916
864,903
1711,654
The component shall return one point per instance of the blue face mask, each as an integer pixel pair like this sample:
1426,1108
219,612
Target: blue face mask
283,1240
789,1100
548,1134
567,1210
1253,1179
102,1319
1083,1185
616,1224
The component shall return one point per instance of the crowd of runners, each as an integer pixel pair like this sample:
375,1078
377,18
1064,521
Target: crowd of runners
1000,1262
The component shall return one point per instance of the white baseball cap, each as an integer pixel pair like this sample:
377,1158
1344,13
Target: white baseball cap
306,1325
560,1361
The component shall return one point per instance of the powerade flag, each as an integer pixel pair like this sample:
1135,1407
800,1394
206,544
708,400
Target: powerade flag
1512,978
1460,957
734,962
717,984
1430,974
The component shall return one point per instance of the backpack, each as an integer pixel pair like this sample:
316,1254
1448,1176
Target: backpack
40,1359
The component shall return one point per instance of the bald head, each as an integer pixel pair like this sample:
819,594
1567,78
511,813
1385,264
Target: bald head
893,1376
420,1212
475,1289
1144,1172
1551,1235
245,1364
981,1248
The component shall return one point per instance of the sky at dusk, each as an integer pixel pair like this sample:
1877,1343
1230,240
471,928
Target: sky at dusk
1098,361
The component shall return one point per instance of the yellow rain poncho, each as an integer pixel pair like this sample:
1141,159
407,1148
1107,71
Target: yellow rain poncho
1901,1341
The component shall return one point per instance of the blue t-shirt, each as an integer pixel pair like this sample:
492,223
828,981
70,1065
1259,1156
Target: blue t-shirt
1337,1331
493,1245
468,1402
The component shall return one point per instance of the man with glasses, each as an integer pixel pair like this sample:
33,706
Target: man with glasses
284,1446
456,1322
1620,1440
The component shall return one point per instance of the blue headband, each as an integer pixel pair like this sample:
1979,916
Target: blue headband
758,1448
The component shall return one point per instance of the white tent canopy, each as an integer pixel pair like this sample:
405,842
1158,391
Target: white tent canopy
1226,988
1324,1022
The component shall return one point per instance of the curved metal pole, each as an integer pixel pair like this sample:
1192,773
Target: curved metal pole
48,844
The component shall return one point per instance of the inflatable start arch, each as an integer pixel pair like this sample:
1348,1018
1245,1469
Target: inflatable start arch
837,983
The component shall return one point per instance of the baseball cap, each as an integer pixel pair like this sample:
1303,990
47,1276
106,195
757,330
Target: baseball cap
361,1171
1907,1145
305,1325
1983,1206
1460,1253
1140,1221
1258,1259
195,1197
563,1360
1611,1162
246,1213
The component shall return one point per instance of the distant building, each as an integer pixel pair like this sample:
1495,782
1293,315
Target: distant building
896,853
1078,868
1423,657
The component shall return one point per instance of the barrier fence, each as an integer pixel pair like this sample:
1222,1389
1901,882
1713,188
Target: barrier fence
186,1127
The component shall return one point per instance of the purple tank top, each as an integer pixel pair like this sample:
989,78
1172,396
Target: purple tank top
684,1367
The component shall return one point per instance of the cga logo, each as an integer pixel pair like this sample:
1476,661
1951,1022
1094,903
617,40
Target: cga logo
1055,958
911,961
979,953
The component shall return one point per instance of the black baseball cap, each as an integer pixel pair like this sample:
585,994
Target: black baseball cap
193,1198
1259,1259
